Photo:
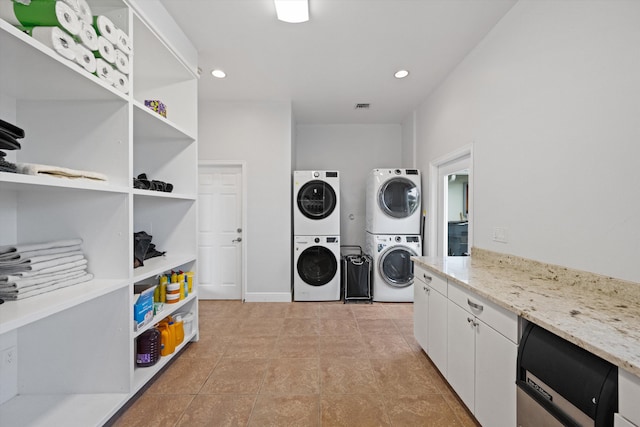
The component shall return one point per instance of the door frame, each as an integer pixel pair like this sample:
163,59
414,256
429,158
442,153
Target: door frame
436,209
245,232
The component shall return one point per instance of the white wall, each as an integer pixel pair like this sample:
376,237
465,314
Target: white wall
353,150
550,101
409,142
260,135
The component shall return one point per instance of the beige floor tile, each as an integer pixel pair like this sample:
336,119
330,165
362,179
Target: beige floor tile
340,326
387,346
405,326
335,311
292,376
260,327
153,410
219,327
347,376
301,327
353,410
378,327
236,376
223,309
251,348
206,347
369,311
402,376
461,411
297,347
183,376
218,411
303,310
285,411
269,310
342,346
403,310
429,410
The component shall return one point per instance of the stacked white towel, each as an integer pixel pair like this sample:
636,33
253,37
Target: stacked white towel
27,270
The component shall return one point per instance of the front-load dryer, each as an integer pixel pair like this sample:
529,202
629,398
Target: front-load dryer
316,203
316,264
393,201
392,266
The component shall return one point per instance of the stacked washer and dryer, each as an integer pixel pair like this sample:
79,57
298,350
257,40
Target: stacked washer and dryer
316,240
392,223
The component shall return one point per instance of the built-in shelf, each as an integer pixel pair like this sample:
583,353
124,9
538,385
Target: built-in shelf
168,310
155,266
152,126
162,194
18,182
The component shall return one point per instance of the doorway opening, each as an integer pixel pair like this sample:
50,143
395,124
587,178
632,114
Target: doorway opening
451,204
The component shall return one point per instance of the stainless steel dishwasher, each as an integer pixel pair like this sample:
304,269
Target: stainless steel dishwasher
561,384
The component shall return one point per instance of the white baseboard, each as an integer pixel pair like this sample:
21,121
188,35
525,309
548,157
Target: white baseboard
267,297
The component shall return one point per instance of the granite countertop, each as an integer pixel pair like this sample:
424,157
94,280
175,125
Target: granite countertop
597,313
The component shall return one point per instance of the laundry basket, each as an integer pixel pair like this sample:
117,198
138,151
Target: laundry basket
356,276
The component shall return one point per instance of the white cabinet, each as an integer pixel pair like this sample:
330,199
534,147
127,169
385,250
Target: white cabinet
628,398
430,316
73,349
482,356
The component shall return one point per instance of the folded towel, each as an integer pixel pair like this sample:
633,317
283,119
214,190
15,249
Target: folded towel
17,294
37,169
40,265
38,246
24,286
25,282
55,269
23,255
15,263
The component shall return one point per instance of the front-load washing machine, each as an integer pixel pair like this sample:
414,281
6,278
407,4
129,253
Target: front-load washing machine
316,264
316,203
392,266
393,201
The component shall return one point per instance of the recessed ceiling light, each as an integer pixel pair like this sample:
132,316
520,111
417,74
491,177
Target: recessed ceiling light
292,11
401,74
218,74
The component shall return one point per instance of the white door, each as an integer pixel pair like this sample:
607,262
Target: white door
220,232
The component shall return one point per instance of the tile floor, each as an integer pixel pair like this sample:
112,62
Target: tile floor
300,364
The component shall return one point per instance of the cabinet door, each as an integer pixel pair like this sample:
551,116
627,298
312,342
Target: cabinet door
495,388
420,314
461,353
437,330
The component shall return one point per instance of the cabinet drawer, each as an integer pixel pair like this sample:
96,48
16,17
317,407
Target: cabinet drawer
629,396
500,319
436,282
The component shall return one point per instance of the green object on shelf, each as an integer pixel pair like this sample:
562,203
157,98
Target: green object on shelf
47,13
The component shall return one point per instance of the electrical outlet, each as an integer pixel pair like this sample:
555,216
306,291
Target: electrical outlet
500,234
9,357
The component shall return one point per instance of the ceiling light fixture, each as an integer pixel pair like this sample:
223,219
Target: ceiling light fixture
219,74
401,74
292,11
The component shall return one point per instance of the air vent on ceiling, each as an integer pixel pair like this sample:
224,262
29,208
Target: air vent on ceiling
362,106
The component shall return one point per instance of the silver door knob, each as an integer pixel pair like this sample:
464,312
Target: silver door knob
239,239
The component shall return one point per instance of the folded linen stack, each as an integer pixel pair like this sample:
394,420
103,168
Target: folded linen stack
9,135
27,270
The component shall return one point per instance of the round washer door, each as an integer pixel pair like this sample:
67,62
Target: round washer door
317,265
316,199
399,197
396,267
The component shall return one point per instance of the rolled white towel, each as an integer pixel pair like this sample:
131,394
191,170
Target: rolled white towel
120,81
85,58
104,71
87,36
56,39
105,50
122,62
105,28
123,42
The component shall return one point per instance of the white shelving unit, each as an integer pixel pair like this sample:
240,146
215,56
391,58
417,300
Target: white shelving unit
74,348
